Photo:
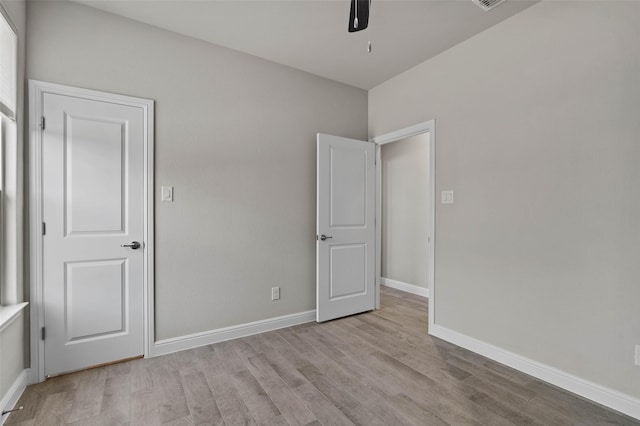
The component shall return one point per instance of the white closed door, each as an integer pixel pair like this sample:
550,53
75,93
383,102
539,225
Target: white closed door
345,282
93,206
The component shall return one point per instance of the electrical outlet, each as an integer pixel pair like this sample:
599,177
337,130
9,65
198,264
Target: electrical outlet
446,197
638,355
275,293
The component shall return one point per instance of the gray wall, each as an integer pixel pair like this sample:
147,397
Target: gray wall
405,209
537,132
235,136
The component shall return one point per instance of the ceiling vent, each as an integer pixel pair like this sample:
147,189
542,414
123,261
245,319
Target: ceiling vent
487,4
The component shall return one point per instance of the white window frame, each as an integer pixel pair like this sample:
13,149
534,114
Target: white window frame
9,308
5,112
6,109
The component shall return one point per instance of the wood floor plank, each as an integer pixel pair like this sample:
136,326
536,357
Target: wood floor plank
487,375
422,415
172,403
260,342
449,406
326,412
118,369
244,349
64,383
55,409
511,409
291,407
573,407
375,368
350,343
32,403
115,401
167,383
89,395
140,377
286,370
262,409
232,408
188,362
182,421
144,408
229,357
202,404
285,350
210,361
361,391
338,397
292,338
320,343
31,422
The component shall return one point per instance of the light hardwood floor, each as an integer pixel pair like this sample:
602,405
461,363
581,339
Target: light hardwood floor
378,368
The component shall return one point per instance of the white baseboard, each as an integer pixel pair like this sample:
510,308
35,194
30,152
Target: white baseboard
190,341
14,393
409,288
613,399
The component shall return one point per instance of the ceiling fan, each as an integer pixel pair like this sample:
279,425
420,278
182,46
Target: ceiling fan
359,17
359,13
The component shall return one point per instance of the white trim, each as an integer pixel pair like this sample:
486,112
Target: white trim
149,231
425,127
10,312
167,346
378,222
407,132
613,399
409,288
37,89
11,398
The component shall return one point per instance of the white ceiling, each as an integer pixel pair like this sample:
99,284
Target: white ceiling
311,35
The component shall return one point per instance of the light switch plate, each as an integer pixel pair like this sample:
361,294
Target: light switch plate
166,193
447,197
638,355
275,293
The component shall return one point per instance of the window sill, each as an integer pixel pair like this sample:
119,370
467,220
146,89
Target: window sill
9,313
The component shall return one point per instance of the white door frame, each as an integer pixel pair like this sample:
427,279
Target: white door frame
425,127
37,89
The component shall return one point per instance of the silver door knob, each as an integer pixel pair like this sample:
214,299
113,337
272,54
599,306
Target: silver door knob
324,237
134,245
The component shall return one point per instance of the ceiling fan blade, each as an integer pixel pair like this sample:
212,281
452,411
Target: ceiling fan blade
359,10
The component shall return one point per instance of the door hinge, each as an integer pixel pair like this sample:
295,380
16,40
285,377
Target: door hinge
42,123
43,333
44,228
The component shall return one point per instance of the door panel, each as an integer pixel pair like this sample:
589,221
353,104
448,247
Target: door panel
94,175
93,203
348,187
347,276
345,214
96,299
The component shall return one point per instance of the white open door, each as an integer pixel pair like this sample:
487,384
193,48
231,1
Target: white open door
345,248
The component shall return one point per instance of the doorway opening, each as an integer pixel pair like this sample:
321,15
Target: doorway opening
405,208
